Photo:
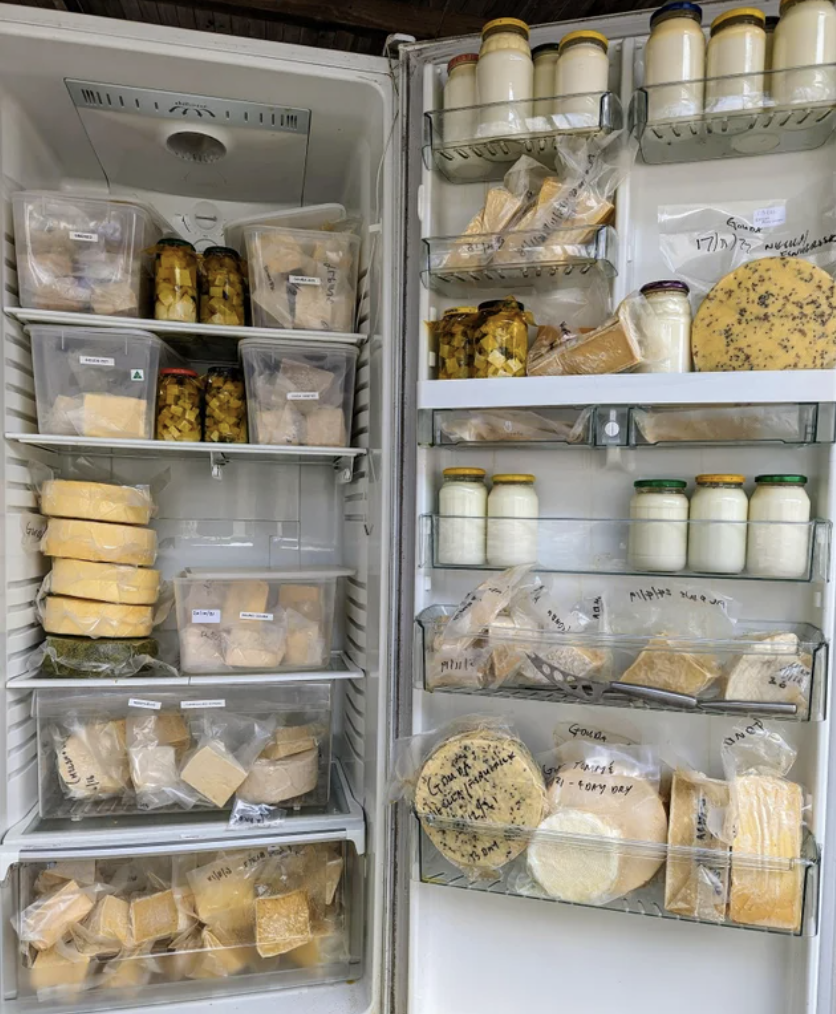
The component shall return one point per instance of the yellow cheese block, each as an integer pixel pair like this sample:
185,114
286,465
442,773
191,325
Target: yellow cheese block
46,920
224,892
153,917
109,923
81,618
102,543
776,313
54,969
112,415
214,772
282,923
96,501
105,582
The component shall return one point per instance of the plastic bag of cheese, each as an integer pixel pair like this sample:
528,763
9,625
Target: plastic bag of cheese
481,606
86,491
465,662
157,742
89,753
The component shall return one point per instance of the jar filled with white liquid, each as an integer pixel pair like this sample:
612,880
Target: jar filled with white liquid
805,38
735,61
582,71
675,52
668,349
780,548
715,547
662,543
504,75
545,63
460,95
513,520
462,509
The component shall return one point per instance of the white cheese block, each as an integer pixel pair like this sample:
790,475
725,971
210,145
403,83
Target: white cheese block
214,772
763,676
254,645
82,618
96,501
105,582
99,542
276,781
201,649
153,767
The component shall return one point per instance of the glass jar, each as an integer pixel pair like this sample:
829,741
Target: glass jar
175,281
454,342
670,349
226,406
779,550
513,520
460,94
462,506
718,548
805,37
675,52
500,339
545,71
661,545
221,287
178,405
582,70
737,47
504,75
769,27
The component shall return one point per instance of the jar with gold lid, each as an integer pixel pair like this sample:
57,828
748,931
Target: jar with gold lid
504,78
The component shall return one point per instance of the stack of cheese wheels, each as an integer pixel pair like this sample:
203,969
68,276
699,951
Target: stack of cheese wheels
101,584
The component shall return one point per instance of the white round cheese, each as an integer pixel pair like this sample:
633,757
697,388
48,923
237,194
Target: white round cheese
580,873
276,781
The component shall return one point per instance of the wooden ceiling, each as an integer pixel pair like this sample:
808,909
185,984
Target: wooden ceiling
359,26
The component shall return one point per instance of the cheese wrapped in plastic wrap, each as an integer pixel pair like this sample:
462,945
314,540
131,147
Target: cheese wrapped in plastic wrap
100,543
678,671
774,670
464,662
91,757
104,582
82,618
48,919
96,501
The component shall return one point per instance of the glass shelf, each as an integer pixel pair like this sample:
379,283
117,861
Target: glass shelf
478,143
600,546
514,879
456,265
756,114
789,676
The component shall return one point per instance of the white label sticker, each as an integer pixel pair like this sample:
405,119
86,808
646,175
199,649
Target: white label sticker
137,374
304,280
138,702
84,237
766,217
206,616
96,361
255,616
303,396
218,702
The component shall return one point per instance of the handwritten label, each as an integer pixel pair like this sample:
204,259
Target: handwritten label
255,616
97,361
303,396
138,702
757,728
304,280
765,218
206,616
32,528
218,702
84,237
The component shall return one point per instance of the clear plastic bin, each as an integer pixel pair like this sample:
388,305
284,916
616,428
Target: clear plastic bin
302,279
245,621
83,254
299,395
124,752
93,383
199,936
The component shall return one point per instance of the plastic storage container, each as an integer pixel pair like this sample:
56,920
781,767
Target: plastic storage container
297,395
121,752
93,383
262,620
83,254
302,279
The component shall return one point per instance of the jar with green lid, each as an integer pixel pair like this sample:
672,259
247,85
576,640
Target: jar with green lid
453,341
226,406
500,339
178,405
221,287
658,527
175,280
779,528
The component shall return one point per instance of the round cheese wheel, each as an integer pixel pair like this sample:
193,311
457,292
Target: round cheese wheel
581,874
105,582
480,777
275,781
99,542
776,313
96,501
81,618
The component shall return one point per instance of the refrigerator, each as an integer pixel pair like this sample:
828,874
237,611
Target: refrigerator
130,111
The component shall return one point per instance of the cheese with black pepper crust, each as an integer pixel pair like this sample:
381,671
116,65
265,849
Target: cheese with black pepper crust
776,313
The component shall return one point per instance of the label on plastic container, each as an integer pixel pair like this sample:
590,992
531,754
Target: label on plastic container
218,702
206,616
97,361
84,237
138,702
255,616
303,395
304,280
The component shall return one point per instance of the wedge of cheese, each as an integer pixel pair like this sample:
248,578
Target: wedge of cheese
84,618
46,920
96,501
303,598
105,582
221,959
244,597
764,675
289,740
276,781
680,672
99,542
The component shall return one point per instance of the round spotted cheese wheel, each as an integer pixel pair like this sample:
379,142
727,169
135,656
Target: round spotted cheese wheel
480,777
776,313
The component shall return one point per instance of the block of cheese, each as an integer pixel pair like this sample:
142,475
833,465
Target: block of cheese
214,772
83,618
126,972
244,597
776,313
761,675
680,672
96,501
46,920
612,348
276,781
325,427
282,923
223,890
305,599
153,767
768,823
201,649
82,871
153,917
105,582
112,415
186,913
222,959
100,542
254,645
285,425
92,763
694,886
304,645
235,925
164,728
109,922
480,776
60,970
289,740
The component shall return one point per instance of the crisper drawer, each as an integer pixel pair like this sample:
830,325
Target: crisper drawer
106,929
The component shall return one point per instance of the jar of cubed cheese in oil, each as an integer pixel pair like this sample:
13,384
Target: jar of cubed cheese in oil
226,406
178,405
658,528
500,339
717,532
454,342
221,287
779,532
175,280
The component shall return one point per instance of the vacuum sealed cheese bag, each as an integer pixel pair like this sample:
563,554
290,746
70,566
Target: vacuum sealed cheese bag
90,756
481,606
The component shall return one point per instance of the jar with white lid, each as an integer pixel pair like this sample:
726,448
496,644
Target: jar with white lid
737,47
662,543
545,63
675,52
583,71
462,508
513,521
669,348
459,122
718,548
780,548
805,37
504,75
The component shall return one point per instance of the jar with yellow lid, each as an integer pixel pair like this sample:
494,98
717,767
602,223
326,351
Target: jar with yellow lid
582,73
674,63
735,61
513,520
454,342
462,508
718,513
178,405
504,78
221,287
500,339
805,37
175,280
461,96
